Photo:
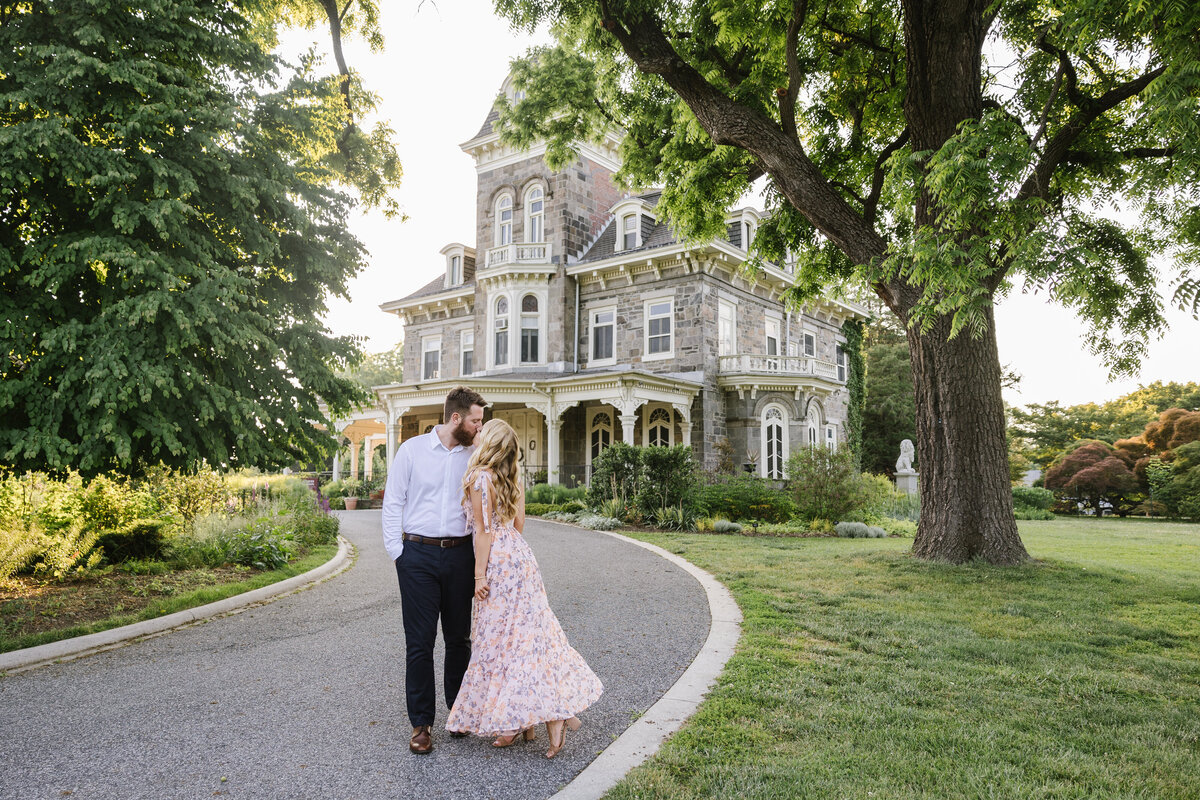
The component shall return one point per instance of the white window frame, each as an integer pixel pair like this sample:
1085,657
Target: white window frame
592,326
503,233
594,427
431,344
454,272
766,421
808,344
773,328
466,344
536,316
626,230
494,328
646,318
726,324
531,236
843,365
747,234
831,438
648,411
812,426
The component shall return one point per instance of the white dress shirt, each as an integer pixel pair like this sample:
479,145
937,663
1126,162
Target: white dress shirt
423,495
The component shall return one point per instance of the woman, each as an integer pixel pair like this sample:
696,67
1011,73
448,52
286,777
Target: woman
522,669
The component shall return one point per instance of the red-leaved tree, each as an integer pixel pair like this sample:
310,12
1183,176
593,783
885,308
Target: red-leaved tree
1095,474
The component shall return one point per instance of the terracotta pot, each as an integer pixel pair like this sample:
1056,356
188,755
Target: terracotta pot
351,503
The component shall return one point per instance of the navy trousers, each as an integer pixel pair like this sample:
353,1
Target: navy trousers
435,582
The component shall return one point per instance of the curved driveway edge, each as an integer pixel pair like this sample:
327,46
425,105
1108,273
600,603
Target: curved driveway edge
79,646
642,739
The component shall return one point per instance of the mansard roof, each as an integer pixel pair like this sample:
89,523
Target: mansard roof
654,234
488,124
435,286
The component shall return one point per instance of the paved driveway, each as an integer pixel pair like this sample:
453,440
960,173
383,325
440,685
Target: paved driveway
304,697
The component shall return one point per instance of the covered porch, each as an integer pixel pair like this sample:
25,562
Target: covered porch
562,422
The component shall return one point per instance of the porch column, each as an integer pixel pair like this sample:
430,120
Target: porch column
553,428
627,423
368,457
393,428
354,460
685,422
337,463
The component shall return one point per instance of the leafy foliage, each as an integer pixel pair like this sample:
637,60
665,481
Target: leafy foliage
890,413
668,482
746,497
1095,474
172,225
826,484
616,473
943,159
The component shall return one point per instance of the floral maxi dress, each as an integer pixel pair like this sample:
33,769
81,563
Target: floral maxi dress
522,671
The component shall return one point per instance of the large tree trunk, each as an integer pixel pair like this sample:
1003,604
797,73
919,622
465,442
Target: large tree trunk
966,500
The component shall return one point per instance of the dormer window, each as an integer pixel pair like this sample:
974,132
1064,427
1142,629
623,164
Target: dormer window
747,235
535,214
630,232
454,273
504,218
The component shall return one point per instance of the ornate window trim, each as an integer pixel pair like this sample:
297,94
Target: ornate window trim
503,215
657,417
535,214
773,428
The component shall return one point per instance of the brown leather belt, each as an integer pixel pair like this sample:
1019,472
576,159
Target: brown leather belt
437,541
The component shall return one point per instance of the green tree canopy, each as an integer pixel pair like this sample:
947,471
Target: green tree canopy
1049,429
942,152
890,415
171,227
379,369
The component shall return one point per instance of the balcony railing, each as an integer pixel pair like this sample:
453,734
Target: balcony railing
743,363
518,254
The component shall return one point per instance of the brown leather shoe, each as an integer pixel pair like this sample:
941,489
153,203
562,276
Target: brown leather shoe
421,742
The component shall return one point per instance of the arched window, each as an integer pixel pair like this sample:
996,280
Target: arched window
658,430
775,442
500,326
504,217
535,204
813,426
600,434
530,324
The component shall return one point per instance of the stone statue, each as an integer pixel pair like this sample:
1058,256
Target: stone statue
906,476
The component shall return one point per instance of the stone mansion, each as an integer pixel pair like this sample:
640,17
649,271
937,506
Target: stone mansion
582,321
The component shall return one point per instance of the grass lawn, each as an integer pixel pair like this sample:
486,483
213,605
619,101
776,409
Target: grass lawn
864,673
33,612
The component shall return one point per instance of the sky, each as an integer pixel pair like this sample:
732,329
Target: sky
440,69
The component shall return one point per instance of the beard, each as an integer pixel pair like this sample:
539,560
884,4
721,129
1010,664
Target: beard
462,435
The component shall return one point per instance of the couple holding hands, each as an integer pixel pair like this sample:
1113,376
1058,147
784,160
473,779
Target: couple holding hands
453,512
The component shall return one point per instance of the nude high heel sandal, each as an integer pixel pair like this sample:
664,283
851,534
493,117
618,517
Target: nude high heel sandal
506,741
560,728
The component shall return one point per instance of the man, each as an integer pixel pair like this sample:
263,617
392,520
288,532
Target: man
424,531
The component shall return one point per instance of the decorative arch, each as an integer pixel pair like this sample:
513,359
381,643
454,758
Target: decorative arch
534,204
502,210
773,422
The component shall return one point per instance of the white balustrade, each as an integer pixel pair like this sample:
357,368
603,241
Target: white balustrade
777,365
518,254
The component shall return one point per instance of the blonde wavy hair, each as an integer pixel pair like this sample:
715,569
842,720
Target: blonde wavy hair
496,451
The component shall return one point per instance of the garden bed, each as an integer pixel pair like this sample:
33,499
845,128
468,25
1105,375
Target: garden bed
34,611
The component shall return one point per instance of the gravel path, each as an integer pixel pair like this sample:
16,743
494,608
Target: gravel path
304,697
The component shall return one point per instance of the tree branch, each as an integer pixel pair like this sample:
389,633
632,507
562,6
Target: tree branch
1058,79
871,206
787,99
730,123
1038,183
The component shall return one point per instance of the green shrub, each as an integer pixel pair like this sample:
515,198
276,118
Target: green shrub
1032,497
68,551
826,484
554,494
821,526
616,472
706,524
1029,512
668,481
613,507
575,505
678,518
746,497
794,527
137,539
188,495
897,527
145,566
541,509
257,549
725,526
